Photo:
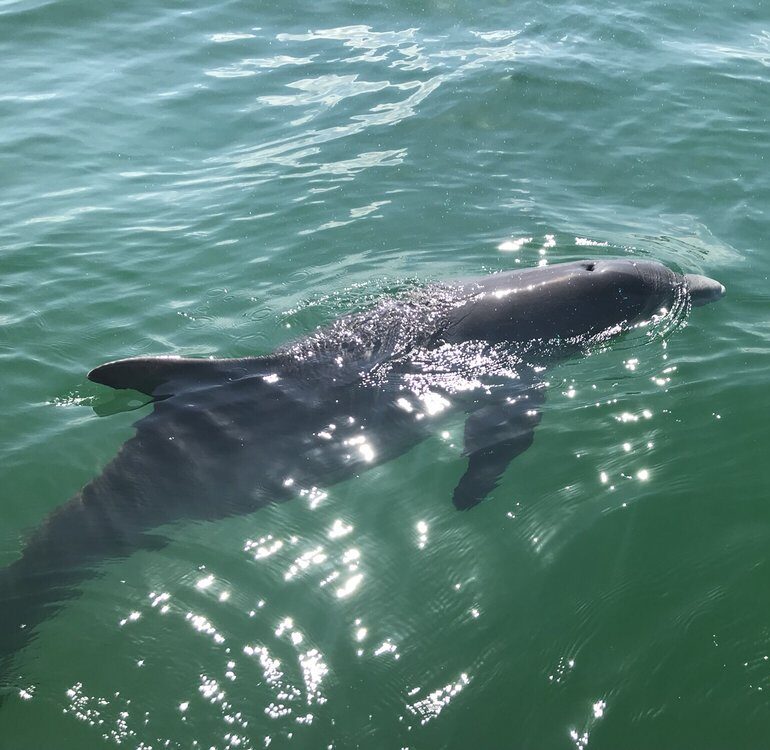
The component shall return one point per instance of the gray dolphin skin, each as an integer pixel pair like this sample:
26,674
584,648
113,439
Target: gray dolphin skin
228,436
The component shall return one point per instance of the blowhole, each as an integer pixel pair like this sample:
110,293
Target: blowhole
589,266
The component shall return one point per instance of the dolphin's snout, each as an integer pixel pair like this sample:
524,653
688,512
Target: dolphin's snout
703,289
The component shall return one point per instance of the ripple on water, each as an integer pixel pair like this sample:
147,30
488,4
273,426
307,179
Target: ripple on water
224,188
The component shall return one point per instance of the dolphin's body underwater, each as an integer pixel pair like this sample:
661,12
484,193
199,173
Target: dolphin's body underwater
228,436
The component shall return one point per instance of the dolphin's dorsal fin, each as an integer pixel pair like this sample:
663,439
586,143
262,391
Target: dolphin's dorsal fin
165,376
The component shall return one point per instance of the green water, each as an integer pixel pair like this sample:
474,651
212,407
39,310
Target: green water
217,179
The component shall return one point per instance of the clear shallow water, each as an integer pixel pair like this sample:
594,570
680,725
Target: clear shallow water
218,180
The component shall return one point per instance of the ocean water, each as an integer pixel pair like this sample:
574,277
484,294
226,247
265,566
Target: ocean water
217,179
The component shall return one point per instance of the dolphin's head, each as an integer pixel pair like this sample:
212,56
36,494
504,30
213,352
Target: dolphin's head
702,289
659,285
574,300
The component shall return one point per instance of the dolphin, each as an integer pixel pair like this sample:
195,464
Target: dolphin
228,436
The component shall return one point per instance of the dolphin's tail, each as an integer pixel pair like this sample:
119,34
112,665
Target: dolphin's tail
59,555
28,597
64,551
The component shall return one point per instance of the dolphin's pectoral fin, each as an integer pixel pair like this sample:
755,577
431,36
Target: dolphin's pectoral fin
485,467
152,542
494,435
164,376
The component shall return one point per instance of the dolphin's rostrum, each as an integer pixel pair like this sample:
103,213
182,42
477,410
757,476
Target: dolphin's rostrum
227,436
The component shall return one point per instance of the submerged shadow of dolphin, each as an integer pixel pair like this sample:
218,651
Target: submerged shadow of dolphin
228,436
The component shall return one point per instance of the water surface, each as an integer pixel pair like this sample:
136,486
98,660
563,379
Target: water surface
216,180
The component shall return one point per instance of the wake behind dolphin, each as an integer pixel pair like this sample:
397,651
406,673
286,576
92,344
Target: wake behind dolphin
228,436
